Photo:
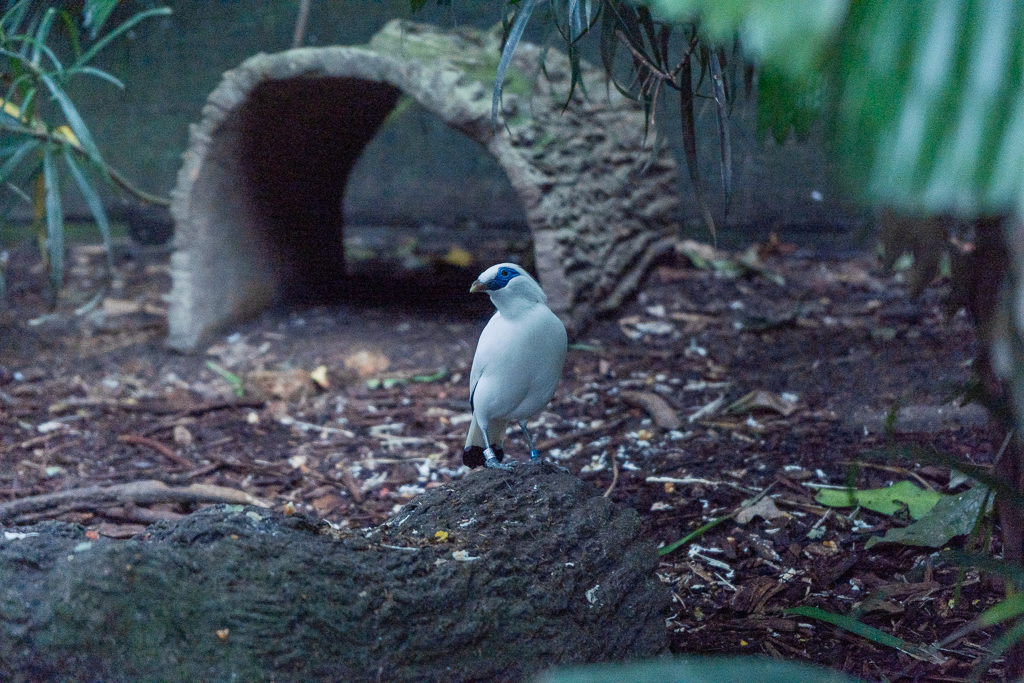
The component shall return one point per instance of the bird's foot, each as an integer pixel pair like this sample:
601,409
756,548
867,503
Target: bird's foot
492,463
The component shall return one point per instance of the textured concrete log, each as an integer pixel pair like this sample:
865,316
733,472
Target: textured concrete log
537,569
258,203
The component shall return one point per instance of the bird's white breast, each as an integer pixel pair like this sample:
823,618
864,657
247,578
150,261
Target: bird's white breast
518,363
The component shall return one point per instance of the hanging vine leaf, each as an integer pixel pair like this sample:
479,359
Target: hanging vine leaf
690,136
95,13
723,124
514,36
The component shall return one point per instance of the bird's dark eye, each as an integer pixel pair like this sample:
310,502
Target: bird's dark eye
503,272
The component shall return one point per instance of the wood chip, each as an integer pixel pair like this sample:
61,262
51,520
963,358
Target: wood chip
664,415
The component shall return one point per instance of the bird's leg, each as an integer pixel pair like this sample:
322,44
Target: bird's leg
490,459
534,453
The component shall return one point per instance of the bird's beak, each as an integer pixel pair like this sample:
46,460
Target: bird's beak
478,287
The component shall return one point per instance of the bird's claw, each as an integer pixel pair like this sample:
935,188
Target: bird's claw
492,463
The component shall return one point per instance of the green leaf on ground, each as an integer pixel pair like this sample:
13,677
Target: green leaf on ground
951,516
925,653
887,501
229,377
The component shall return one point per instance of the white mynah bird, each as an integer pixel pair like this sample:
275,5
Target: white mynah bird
517,364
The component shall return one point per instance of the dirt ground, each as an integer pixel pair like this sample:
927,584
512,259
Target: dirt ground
349,413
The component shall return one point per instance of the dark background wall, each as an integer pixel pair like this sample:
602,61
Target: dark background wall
416,170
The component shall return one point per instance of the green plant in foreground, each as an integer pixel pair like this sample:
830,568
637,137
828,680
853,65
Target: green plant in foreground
41,130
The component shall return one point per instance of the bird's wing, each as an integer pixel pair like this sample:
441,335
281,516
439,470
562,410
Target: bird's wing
487,348
517,365
543,363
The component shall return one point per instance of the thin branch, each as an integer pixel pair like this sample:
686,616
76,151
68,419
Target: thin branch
119,179
300,23
615,476
163,450
136,492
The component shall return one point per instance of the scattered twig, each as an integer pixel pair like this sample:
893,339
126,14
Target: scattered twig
607,427
136,492
703,482
615,476
353,487
163,450
300,23
175,415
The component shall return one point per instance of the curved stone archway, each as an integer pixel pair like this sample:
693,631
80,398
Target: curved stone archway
258,202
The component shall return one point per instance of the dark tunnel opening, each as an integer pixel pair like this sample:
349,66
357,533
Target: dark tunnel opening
300,141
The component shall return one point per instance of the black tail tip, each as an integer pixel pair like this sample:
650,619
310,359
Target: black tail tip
473,456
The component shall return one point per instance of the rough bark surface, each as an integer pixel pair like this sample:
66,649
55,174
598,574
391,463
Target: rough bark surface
258,201
536,569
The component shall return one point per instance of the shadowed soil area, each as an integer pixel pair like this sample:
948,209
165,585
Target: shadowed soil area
353,414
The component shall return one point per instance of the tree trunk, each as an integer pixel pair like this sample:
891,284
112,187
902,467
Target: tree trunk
536,569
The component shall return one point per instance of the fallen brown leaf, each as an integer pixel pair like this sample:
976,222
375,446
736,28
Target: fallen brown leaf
664,415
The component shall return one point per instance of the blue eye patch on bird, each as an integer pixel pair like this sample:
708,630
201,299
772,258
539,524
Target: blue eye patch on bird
497,282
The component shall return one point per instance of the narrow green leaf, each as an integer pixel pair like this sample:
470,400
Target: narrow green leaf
575,21
127,25
78,126
724,143
16,158
92,200
608,43
664,36
12,18
696,533
42,32
71,29
1012,606
852,625
996,649
229,377
992,565
647,23
629,22
54,221
575,74
98,73
686,120
95,13
514,36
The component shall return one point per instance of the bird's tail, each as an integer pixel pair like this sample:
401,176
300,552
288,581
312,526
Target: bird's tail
495,434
